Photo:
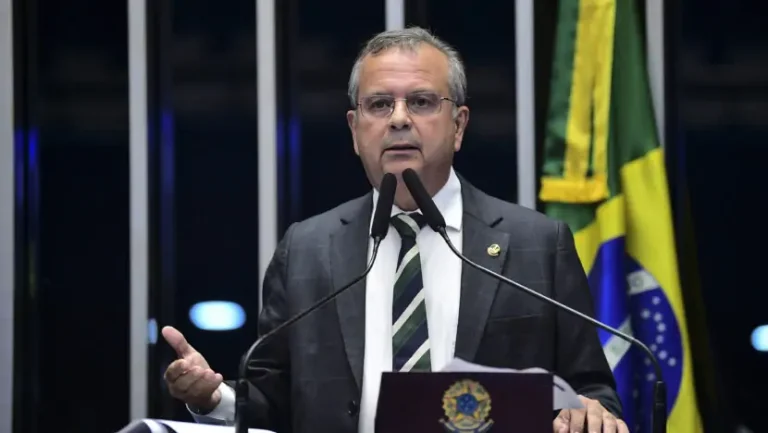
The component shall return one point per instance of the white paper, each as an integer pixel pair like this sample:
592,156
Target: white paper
188,427
564,397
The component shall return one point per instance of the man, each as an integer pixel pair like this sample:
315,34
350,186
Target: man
419,307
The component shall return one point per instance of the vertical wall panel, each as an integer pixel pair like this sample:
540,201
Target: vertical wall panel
161,199
721,87
267,133
7,206
318,43
139,218
395,14
26,329
204,171
524,73
486,39
72,174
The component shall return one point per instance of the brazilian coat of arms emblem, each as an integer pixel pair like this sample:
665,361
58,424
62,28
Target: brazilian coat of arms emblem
467,407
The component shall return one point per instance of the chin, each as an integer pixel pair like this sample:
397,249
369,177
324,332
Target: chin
397,167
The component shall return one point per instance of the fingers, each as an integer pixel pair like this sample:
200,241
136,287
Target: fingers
176,369
595,417
194,385
561,423
622,426
206,386
578,417
182,384
610,423
197,382
177,341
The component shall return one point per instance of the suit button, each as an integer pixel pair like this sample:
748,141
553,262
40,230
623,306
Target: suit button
353,408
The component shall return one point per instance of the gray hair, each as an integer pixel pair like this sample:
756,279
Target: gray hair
410,39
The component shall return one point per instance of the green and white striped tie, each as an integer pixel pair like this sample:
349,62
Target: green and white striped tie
410,337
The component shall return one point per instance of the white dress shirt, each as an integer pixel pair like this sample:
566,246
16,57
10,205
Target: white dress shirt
441,274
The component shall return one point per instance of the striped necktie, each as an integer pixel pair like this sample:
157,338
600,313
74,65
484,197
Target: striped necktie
410,339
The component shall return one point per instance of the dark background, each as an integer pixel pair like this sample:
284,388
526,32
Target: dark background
72,111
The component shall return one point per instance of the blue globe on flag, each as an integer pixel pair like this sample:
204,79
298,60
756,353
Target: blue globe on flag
629,298
655,324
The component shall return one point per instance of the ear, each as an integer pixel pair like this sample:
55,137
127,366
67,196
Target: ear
352,122
461,121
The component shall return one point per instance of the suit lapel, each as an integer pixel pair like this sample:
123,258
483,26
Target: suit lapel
348,258
478,290
349,252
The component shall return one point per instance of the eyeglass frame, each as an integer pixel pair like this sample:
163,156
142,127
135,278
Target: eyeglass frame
395,100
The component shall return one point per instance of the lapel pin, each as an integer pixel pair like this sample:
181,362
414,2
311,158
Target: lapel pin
494,250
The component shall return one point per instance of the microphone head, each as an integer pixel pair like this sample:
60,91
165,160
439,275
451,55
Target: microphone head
380,225
423,200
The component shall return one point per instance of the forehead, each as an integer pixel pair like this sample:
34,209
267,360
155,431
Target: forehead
400,70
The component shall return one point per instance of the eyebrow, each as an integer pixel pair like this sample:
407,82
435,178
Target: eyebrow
413,92
417,91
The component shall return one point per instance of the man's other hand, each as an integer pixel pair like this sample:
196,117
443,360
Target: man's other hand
594,419
189,378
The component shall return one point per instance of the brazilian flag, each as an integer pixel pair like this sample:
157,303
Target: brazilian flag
604,175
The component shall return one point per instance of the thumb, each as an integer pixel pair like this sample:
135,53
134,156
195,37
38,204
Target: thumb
177,341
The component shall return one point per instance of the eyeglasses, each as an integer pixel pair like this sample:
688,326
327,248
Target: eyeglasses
419,104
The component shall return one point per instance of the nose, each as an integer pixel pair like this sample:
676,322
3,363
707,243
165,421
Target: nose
400,118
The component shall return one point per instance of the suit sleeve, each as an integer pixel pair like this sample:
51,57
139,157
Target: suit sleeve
580,357
269,369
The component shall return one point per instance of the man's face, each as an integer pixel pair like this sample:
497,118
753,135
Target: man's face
403,121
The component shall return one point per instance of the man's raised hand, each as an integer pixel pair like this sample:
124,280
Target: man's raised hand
190,378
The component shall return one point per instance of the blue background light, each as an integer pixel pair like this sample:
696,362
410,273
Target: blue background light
760,338
217,315
152,331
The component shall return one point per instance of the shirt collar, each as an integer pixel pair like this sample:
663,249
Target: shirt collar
448,201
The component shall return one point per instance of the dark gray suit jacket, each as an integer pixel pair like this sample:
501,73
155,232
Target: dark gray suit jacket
309,378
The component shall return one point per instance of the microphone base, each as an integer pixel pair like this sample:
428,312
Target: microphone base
241,403
659,417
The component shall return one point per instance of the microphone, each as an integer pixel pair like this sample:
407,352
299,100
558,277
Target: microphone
436,221
379,229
